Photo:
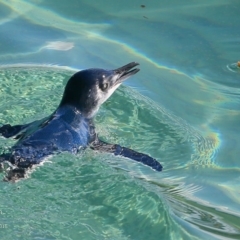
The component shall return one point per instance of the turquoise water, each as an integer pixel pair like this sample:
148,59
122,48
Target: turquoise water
181,108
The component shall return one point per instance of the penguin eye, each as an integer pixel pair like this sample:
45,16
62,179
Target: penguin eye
104,86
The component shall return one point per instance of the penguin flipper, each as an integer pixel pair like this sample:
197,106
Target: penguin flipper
8,131
126,152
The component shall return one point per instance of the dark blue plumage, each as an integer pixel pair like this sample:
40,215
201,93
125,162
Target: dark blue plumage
70,128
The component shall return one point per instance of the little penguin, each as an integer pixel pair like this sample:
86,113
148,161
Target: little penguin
70,127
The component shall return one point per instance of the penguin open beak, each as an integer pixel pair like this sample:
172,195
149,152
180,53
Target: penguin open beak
126,71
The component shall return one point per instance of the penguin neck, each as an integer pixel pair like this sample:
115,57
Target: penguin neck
69,100
69,114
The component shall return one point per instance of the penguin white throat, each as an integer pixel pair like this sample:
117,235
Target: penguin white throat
98,97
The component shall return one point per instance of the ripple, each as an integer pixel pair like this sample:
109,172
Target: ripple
234,67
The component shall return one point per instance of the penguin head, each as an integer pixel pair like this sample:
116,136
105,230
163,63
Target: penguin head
88,89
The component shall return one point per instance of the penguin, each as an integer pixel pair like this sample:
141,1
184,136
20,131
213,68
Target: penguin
70,127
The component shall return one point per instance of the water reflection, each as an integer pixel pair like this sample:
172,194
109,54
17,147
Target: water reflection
188,54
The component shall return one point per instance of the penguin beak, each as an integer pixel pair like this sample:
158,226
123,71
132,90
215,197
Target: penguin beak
126,71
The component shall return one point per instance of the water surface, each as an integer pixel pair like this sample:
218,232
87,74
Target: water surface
182,108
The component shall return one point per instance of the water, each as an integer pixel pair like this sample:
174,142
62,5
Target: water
181,108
